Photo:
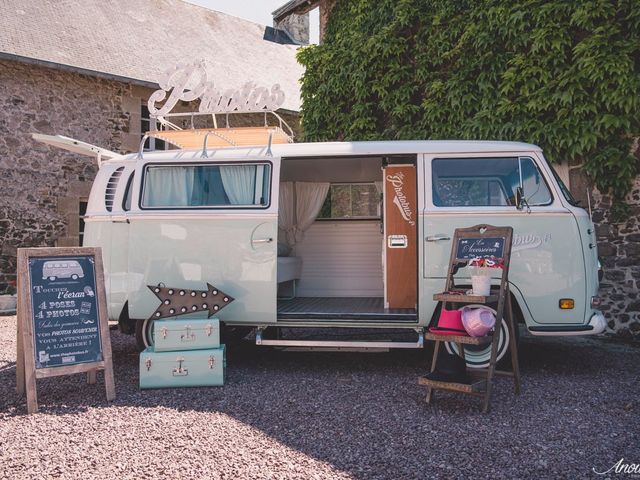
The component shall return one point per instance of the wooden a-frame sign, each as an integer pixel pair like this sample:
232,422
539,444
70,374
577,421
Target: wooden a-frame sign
62,318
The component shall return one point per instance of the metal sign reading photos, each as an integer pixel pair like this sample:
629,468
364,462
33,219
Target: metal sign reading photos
469,248
62,322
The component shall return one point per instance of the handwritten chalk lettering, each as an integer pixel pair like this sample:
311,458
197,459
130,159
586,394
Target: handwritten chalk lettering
63,313
480,247
66,318
189,82
71,294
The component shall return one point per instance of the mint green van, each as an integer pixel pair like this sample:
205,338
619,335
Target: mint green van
294,233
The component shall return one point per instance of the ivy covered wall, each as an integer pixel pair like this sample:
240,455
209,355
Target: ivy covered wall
564,75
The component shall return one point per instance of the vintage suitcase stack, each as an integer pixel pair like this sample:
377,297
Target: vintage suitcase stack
186,353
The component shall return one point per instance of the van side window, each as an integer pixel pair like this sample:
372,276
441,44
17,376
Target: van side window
487,182
206,186
128,193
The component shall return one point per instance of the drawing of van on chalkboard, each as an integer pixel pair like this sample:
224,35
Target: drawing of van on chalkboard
62,269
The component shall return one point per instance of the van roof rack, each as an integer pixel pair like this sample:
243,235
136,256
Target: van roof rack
193,139
217,137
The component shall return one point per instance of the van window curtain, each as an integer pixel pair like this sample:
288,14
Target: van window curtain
299,206
287,214
239,183
169,186
309,199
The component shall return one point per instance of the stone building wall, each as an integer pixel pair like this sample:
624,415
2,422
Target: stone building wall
619,250
41,187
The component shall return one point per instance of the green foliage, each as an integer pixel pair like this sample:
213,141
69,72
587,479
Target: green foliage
561,74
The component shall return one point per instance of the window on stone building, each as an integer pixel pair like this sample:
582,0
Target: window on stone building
82,210
146,124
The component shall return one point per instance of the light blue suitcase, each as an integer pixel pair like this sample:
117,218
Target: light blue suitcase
186,334
191,368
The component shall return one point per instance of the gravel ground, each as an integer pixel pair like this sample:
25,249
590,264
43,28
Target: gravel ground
329,415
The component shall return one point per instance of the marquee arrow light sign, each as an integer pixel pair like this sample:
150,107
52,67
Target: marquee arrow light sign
180,301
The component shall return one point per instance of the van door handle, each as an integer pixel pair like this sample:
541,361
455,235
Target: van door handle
262,240
119,219
437,237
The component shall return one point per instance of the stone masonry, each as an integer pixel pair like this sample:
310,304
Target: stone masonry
619,250
41,187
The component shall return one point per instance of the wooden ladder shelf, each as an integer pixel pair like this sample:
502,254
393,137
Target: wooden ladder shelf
482,379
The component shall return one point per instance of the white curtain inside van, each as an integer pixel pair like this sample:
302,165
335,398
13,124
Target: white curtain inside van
300,204
287,214
166,186
239,183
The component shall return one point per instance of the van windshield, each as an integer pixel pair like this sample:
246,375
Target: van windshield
563,188
206,186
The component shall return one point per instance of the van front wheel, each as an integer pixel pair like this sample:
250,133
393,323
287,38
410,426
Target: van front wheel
479,356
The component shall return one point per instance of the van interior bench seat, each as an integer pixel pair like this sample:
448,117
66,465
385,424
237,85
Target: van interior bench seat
342,308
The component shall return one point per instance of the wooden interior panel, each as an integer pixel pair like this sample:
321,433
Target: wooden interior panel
400,225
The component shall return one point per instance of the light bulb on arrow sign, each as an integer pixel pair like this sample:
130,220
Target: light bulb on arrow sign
180,301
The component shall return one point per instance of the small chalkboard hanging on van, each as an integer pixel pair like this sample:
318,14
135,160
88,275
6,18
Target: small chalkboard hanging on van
62,318
482,247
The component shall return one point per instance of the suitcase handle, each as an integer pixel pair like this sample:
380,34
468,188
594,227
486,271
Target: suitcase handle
179,371
188,337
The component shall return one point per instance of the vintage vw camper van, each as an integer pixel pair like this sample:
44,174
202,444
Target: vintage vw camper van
349,234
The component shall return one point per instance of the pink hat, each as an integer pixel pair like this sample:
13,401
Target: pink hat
478,321
449,323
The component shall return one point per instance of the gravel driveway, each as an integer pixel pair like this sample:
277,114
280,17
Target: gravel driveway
329,415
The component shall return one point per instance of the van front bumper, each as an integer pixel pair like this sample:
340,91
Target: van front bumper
597,324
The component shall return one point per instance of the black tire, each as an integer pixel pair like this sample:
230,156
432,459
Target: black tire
478,356
125,323
144,333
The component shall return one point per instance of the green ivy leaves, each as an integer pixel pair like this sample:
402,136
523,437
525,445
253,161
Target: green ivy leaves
564,75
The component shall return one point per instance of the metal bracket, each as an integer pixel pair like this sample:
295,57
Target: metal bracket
141,149
212,361
209,329
179,371
164,331
147,364
269,153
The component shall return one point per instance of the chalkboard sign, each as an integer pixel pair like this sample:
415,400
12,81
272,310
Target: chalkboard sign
62,322
484,247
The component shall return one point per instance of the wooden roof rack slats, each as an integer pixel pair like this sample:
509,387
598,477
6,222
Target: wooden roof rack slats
193,139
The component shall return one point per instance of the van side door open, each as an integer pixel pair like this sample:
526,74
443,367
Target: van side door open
198,222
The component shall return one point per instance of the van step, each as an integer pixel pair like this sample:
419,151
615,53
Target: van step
338,344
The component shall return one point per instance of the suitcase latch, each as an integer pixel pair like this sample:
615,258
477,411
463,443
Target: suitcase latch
189,336
209,329
179,371
147,364
163,331
212,361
